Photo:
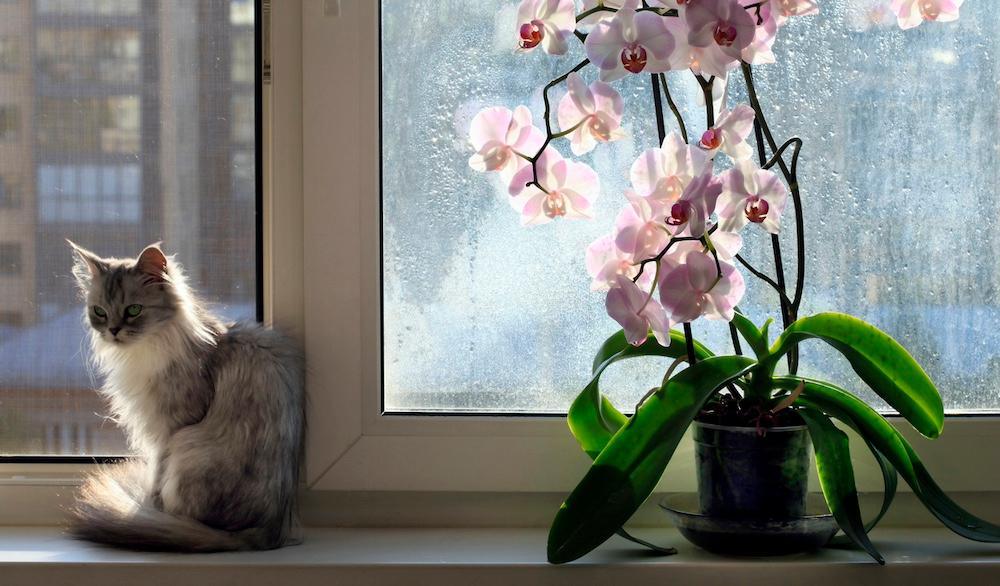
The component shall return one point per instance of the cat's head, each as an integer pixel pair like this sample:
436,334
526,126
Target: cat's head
127,299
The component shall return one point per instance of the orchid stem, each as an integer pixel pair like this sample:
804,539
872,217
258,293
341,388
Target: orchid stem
790,174
549,135
661,129
673,107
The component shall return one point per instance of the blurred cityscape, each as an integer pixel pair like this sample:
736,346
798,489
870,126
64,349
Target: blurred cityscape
122,122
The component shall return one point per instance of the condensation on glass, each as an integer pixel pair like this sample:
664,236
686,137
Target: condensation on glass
122,123
898,176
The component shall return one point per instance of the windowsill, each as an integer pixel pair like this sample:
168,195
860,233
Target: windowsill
41,555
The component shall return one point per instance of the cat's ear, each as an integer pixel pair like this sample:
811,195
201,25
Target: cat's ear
152,263
87,266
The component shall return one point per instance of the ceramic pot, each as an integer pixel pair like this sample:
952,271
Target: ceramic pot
746,473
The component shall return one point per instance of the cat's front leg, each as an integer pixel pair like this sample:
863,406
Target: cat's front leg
156,466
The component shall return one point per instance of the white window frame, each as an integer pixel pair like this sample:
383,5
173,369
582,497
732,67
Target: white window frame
352,446
321,153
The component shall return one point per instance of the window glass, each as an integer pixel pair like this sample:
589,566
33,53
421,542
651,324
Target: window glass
119,129
897,176
10,53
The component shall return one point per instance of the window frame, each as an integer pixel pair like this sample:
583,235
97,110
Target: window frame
357,447
321,253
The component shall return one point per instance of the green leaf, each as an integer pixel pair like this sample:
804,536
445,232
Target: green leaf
836,478
880,361
628,468
592,418
755,338
881,434
890,479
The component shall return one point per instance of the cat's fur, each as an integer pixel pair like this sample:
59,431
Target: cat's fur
214,413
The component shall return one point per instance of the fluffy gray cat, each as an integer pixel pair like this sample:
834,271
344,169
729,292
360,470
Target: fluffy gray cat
214,413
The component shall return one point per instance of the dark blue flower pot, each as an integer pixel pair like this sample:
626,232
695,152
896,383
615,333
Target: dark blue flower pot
746,473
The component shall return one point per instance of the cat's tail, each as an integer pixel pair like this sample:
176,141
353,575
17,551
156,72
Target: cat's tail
112,508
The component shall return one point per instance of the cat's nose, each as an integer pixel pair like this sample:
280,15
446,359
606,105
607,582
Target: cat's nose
114,331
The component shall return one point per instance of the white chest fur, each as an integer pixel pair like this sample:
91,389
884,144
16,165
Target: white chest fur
135,386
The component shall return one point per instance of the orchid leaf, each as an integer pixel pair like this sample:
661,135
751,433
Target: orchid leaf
628,468
890,479
836,478
890,443
755,338
592,418
879,360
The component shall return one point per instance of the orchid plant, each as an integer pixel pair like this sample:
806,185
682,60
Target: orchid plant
674,256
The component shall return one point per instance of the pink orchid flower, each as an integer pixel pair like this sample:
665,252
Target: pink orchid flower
569,189
639,229
637,313
605,262
697,288
547,23
759,51
750,194
730,134
912,12
718,31
727,244
600,15
500,137
782,10
663,173
594,112
630,42
689,214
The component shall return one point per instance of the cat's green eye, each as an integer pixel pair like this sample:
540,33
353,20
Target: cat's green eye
99,312
133,310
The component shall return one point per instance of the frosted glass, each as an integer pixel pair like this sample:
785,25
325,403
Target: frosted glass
898,176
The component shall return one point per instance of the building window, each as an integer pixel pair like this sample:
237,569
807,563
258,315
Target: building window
10,193
243,118
101,194
10,258
10,53
82,7
88,54
10,122
11,319
243,58
107,125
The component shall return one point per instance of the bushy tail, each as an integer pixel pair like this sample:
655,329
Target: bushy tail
112,508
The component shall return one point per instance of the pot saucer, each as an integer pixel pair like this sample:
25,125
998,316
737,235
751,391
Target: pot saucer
751,537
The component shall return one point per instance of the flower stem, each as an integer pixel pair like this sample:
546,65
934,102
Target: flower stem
673,106
706,90
549,136
662,131
791,178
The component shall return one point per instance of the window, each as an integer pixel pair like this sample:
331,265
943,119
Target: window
127,139
11,319
509,309
105,194
109,125
10,193
10,259
10,122
91,7
89,54
10,53
243,55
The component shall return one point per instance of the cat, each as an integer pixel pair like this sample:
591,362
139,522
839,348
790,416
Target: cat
213,412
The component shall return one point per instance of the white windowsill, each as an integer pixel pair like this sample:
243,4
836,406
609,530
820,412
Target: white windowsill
41,555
